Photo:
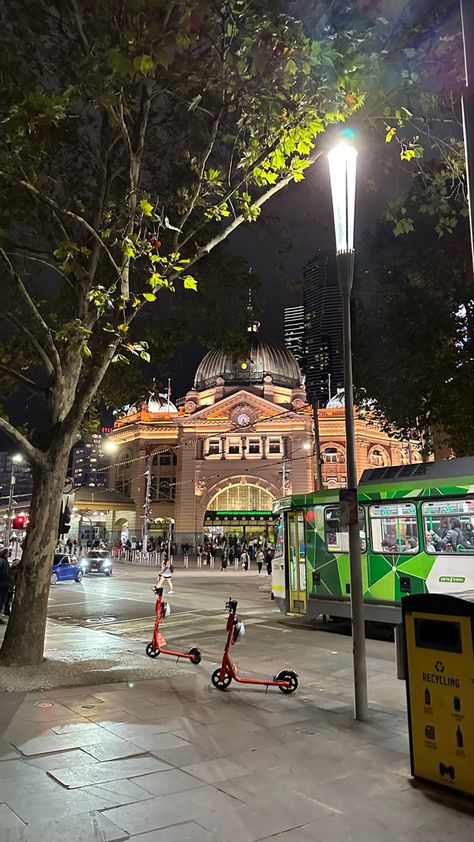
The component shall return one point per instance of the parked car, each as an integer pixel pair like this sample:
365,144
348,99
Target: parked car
97,561
65,569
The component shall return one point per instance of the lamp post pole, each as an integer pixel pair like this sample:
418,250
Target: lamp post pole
17,458
342,165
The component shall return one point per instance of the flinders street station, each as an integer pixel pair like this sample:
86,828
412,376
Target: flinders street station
242,437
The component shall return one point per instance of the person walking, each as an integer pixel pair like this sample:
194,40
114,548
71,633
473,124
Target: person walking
199,556
259,559
166,573
269,560
245,559
186,556
4,581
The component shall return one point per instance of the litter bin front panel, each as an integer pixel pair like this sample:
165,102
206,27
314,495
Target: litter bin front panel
440,662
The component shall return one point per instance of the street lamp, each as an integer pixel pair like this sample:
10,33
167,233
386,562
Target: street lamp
17,458
342,170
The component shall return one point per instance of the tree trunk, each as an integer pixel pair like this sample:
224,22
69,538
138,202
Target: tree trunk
24,638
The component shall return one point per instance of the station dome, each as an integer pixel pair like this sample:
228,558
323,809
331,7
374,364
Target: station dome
262,360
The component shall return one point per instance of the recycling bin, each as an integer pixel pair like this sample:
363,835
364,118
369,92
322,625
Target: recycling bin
439,668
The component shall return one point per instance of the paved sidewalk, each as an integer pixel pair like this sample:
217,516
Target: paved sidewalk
172,759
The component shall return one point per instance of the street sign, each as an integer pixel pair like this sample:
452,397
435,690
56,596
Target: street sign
348,506
68,485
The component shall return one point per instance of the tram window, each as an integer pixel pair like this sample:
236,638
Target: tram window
337,534
394,528
448,526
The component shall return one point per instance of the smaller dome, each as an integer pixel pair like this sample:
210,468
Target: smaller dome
156,402
337,401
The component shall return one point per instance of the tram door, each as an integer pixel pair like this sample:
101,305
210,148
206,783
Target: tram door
296,562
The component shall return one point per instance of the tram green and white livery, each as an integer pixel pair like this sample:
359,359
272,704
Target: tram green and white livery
416,535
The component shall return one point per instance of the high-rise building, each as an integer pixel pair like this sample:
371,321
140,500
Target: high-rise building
322,346
23,480
294,330
90,463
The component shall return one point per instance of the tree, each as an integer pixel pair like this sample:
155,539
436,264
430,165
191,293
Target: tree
135,138
414,309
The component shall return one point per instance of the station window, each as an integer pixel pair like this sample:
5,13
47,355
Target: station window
448,526
214,447
167,489
165,459
333,454
394,528
274,446
234,447
337,534
254,446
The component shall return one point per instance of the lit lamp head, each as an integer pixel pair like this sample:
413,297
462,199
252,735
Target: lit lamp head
17,458
342,172
110,446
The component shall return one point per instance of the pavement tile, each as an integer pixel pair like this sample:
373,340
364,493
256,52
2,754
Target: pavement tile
85,828
217,770
348,792
455,825
186,832
110,749
181,757
8,819
155,742
170,809
50,742
7,752
165,783
109,771
263,818
61,760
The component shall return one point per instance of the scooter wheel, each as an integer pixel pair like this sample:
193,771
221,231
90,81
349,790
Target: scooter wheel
152,653
196,655
221,684
290,677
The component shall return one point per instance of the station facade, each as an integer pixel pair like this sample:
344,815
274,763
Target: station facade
242,437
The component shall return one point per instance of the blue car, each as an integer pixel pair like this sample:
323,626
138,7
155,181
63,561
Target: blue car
65,569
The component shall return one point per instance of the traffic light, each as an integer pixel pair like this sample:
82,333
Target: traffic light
64,521
20,522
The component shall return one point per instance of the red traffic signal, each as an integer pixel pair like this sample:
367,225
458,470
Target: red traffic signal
20,521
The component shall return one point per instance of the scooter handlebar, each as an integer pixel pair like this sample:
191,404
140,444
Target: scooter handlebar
231,605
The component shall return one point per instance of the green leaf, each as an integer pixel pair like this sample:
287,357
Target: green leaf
291,67
86,351
189,282
145,356
389,135
144,64
149,296
119,62
146,207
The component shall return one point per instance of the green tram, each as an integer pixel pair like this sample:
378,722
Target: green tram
416,536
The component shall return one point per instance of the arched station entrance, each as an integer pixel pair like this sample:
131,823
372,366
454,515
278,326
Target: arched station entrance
241,511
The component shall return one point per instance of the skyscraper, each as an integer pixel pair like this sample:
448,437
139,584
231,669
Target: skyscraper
322,346
90,463
294,330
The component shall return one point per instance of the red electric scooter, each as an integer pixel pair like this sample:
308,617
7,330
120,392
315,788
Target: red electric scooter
157,645
285,680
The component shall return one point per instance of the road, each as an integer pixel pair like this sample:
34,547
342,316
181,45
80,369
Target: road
123,605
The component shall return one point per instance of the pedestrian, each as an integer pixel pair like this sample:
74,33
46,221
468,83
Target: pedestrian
213,556
269,560
245,559
199,556
186,557
4,581
259,559
166,573
14,570
224,560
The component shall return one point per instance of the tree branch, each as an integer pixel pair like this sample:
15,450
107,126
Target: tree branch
77,217
22,378
31,338
219,238
25,295
34,456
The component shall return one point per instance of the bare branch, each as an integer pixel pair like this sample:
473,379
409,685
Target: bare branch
32,339
80,28
33,455
25,295
22,378
77,217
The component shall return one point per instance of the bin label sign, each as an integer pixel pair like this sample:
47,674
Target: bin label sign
441,694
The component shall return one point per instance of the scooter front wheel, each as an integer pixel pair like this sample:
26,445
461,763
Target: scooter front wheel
290,677
151,652
220,683
196,656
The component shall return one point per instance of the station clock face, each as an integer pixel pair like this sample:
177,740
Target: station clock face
243,419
